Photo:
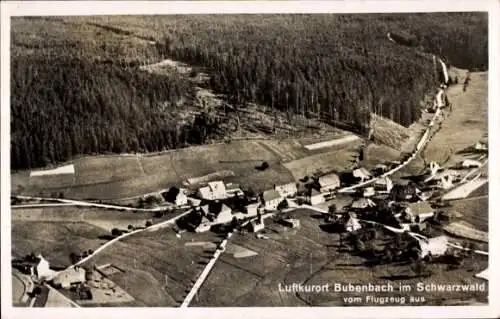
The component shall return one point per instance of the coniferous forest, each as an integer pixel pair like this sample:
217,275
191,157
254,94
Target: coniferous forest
76,87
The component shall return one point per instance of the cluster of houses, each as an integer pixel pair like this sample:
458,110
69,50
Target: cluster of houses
39,269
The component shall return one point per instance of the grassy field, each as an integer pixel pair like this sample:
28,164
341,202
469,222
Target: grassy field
115,177
54,240
469,114
474,211
310,256
147,258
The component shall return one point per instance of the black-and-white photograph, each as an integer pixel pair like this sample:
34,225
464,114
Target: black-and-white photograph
249,160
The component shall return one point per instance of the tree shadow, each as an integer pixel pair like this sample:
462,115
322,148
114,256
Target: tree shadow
332,228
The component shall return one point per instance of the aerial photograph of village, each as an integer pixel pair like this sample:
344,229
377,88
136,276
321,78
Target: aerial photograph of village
256,160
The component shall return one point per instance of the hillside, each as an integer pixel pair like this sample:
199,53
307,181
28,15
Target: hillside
77,87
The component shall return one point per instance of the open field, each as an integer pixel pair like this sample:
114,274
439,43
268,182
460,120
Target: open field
311,256
469,114
325,162
115,177
54,240
474,211
158,267
389,133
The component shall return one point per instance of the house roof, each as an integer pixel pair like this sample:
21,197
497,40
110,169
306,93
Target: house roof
361,173
270,195
329,179
205,192
420,208
74,274
352,221
232,186
215,208
217,186
362,203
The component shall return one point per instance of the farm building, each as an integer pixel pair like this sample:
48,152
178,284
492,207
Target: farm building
42,269
271,199
315,197
177,196
384,184
252,209
481,146
362,174
203,226
217,212
291,222
352,224
469,163
69,277
213,191
436,246
233,190
194,201
419,211
256,225
328,182
363,203
286,190
369,192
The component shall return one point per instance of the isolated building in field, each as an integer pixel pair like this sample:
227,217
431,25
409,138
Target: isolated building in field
362,174
469,163
291,222
217,213
213,191
271,199
69,277
286,190
177,196
419,211
315,197
328,182
436,246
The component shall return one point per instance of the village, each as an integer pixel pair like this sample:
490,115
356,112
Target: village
409,209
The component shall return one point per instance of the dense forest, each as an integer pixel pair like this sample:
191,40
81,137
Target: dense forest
76,87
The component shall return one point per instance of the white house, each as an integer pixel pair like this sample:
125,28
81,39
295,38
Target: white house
328,182
468,163
315,197
213,191
252,209
43,271
271,199
69,277
287,190
369,192
361,173
204,225
384,184
352,224
436,246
